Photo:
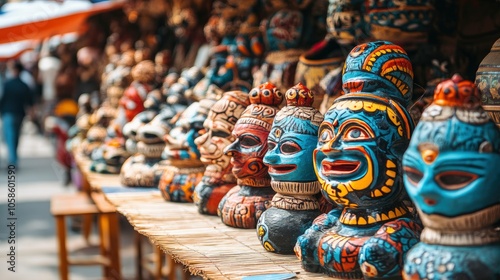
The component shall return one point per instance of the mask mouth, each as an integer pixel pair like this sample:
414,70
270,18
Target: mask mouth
339,167
281,168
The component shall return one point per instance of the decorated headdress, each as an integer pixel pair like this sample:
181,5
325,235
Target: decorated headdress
264,102
457,103
380,68
299,100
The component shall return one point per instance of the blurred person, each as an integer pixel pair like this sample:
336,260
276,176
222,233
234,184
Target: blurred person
49,66
58,124
16,101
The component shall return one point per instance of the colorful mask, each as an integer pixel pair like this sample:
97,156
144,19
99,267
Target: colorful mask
109,158
358,163
406,22
218,178
243,206
141,169
284,30
135,95
184,170
346,21
291,142
450,174
131,128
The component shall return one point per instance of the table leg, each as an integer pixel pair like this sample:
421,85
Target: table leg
114,244
63,253
138,257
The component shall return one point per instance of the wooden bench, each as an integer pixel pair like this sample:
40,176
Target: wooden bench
80,204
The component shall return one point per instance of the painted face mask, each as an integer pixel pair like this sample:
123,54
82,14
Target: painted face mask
291,142
218,178
140,169
358,163
134,96
183,169
450,174
363,136
243,206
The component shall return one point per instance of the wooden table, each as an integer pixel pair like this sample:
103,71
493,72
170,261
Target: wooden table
203,244
109,225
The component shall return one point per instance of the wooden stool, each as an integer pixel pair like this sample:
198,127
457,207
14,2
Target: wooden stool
75,205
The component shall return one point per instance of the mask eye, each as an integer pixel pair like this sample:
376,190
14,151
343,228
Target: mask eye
290,147
249,141
454,180
271,145
220,133
413,175
325,134
356,133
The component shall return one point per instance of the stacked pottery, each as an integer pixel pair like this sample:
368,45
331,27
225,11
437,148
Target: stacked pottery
450,174
291,142
242,206
358,163
218,178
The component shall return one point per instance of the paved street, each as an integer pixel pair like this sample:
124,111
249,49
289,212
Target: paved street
37,179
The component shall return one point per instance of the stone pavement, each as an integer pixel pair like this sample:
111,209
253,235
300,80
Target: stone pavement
37,179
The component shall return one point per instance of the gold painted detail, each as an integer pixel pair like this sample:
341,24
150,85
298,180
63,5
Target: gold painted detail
387,188
358,105
350,218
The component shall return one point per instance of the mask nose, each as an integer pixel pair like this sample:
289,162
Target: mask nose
201,140
231,148
329,148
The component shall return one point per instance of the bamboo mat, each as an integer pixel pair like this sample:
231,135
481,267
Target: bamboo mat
202,243
96,180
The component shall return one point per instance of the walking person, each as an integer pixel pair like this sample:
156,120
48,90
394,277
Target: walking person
16,100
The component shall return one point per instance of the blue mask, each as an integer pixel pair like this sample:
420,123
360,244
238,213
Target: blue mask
293,138
361,142
450,165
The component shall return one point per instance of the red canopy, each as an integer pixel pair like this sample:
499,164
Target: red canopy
37,20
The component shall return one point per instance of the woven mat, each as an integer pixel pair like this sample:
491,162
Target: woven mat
96,180
202,243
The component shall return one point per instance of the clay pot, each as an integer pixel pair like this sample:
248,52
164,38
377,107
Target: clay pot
315,64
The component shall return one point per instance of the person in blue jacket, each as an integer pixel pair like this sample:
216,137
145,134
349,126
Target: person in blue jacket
16,101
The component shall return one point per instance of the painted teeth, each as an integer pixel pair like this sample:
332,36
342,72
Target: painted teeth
352,219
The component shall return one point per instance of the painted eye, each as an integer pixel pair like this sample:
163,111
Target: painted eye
413,175
271,145
249,141
356,133
454,180
325,134
290,147
220,133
